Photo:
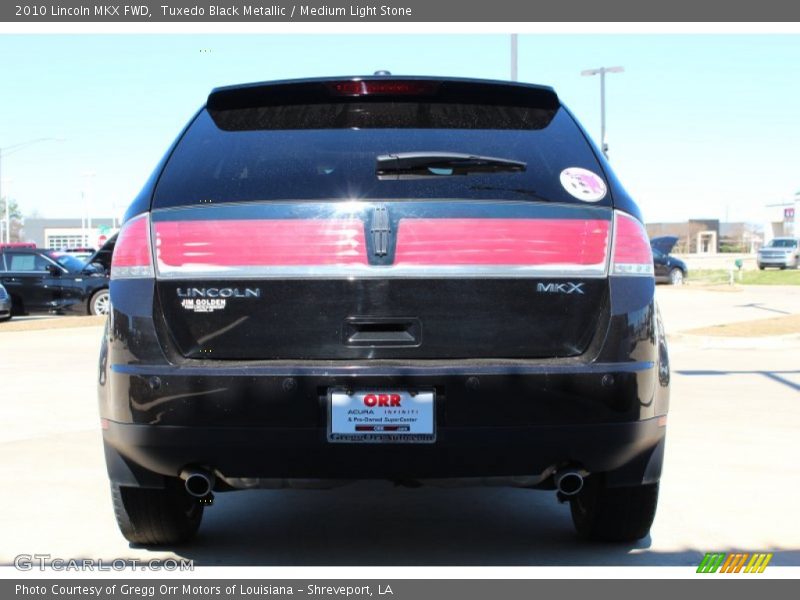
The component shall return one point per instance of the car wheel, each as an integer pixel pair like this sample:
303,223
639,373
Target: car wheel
100,304
676,276
761,267
156,516
613,514
8,318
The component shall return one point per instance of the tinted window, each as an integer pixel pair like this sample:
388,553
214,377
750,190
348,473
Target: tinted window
783,244
26,262
213,164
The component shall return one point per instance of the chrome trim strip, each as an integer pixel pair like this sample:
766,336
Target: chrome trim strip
220,369
207,272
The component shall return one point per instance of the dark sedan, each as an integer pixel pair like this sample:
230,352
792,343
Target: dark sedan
668,269
5,304
46,281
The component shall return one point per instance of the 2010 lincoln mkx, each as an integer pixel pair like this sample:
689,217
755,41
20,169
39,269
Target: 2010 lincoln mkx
408,279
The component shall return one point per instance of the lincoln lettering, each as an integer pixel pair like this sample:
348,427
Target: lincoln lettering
219,293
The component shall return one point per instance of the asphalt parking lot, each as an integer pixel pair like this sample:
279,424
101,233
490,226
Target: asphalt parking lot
731,475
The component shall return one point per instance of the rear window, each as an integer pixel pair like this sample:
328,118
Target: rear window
328,151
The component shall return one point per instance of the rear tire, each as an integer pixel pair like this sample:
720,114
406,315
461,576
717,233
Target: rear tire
156,516
613,514
8,318
100,303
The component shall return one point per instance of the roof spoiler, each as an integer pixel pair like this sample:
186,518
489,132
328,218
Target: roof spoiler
382,88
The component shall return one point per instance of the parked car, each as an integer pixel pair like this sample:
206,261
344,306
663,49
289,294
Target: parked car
5,304
81,253
781,252
668,269
406,279
48,281
102,257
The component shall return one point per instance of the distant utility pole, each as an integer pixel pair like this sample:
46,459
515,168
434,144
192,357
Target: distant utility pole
87,205
7,215
513,57
602,72
5,152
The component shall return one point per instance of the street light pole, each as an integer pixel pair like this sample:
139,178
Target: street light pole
602,72
13,149
87,205
6,206
7,218
513,57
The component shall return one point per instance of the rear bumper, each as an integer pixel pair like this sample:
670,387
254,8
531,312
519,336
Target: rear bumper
634,450
515,419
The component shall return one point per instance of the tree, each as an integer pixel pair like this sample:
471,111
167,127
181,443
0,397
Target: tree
16,218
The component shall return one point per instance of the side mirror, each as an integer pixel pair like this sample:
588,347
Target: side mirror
54,271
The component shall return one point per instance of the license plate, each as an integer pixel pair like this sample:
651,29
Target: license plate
381,416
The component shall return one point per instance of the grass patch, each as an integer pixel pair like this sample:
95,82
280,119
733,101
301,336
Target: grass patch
758,328
767,277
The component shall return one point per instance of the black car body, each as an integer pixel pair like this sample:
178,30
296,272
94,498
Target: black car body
102,257
47,281
5,304
403,279
667,268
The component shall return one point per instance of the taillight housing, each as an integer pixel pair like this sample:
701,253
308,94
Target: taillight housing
632,254
133,258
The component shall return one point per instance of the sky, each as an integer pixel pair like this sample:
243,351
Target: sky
699,126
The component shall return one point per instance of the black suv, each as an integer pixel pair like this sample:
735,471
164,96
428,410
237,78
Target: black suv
392,278
47,281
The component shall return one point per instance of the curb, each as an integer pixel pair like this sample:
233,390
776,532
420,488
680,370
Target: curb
55,323
767,342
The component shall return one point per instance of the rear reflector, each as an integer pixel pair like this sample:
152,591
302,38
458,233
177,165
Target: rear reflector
632,253
132,258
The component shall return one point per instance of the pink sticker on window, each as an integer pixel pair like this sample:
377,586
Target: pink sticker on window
583,184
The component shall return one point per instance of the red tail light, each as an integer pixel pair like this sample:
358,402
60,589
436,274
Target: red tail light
564,244
132,257
632,253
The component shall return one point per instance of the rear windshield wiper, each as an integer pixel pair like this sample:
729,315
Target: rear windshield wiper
413,165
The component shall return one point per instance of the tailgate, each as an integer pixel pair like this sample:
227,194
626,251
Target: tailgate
391,279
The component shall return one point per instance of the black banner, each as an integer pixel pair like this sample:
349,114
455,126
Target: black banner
390,589
177,11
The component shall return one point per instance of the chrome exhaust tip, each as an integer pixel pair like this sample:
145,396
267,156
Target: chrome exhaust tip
569,482
197,482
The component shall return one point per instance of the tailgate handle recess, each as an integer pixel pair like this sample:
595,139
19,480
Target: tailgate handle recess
382,331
